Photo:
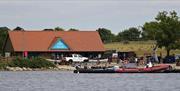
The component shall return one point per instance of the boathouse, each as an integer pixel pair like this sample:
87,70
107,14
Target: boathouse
53,43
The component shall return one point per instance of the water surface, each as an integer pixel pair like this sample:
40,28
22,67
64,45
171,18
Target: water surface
68,81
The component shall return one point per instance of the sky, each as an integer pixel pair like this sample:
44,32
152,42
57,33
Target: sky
86,15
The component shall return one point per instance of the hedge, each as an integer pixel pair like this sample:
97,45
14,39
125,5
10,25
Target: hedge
28,63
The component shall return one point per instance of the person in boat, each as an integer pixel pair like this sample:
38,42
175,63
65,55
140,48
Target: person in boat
136,61
124,63
98,62
85,67
149,64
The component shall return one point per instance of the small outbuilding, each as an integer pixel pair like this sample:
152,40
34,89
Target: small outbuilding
53,43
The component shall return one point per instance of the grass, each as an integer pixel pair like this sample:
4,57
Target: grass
139,47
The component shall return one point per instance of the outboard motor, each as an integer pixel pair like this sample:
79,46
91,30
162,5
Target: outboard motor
77,69
115,68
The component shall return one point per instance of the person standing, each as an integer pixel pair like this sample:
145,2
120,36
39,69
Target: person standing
109,59
136,61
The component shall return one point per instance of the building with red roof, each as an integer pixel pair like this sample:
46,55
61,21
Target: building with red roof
46,43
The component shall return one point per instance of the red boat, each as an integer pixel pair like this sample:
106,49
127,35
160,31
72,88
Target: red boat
154,69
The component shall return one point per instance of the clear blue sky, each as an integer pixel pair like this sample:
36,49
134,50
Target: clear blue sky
115,15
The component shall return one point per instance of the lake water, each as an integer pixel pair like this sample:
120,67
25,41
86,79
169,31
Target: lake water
68,81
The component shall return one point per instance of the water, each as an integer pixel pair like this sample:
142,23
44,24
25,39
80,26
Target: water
68,81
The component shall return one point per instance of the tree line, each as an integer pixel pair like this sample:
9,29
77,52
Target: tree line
164,29
131,34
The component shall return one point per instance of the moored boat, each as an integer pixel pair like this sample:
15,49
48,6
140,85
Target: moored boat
155,69
94,71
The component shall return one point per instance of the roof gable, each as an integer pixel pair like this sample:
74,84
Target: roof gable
59,45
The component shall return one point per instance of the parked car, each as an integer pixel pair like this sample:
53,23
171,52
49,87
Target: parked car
76,58
169,59
125,55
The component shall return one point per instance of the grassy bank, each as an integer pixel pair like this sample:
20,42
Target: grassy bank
139,47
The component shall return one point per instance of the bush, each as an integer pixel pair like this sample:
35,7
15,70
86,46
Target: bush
3,64
33,63
41,63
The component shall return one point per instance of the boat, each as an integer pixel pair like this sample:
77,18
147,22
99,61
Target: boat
95,70
155,69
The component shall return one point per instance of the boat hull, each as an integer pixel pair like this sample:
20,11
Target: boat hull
94,71
154,69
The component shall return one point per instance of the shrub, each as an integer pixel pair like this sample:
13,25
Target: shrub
3,64
33,63
41,63
18,62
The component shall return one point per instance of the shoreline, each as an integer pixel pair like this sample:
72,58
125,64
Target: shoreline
58,68
62,68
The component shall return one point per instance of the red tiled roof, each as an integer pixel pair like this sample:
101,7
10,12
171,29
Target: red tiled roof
77,41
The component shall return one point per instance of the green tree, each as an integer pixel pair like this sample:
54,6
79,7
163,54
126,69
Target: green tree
18,29
3,35
165,30
58,29
48,29
73,29
149,30
106,35
131,34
